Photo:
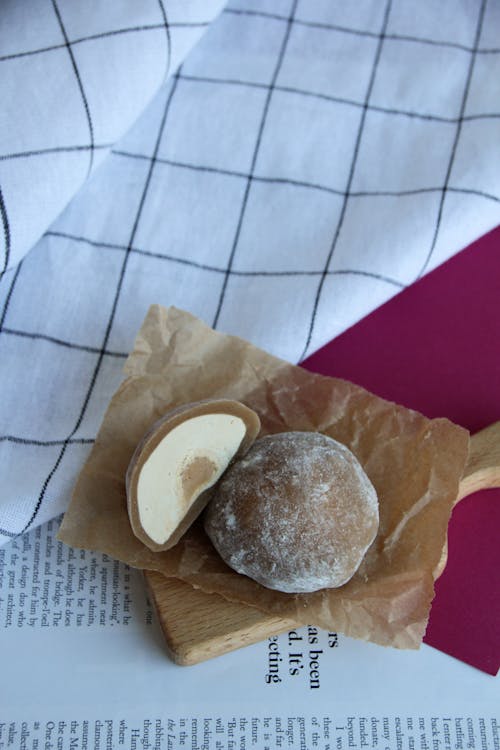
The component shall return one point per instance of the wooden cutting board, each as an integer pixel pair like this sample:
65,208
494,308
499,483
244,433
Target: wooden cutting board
199,626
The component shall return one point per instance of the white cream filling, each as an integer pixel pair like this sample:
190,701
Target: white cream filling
161,497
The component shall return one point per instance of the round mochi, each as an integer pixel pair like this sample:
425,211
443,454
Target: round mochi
296,514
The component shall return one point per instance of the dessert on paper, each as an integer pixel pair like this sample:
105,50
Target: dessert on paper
414,464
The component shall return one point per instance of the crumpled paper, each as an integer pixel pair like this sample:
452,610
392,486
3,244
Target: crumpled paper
414,463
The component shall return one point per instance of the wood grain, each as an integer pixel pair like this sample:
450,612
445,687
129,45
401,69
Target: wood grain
198,626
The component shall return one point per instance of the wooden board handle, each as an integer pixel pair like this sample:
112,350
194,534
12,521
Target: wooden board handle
483,466
482,472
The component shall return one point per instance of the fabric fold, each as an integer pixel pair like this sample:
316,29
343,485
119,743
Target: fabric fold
73,80
306,162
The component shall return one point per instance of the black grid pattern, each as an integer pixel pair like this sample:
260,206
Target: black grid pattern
261,126
6,232
106,34
364,32
349,102
460,120
85,117
277,196
354,159
78,77
102,350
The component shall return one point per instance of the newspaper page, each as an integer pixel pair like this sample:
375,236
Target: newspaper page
84,666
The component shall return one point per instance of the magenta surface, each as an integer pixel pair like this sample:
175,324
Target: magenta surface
436,348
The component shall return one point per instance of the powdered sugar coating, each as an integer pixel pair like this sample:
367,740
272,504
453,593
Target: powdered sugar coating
296,514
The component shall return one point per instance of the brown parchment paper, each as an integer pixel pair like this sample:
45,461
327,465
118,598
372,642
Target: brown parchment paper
414,463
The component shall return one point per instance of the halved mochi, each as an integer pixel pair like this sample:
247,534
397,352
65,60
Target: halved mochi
175,466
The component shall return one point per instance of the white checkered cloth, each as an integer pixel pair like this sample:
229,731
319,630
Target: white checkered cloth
309,160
